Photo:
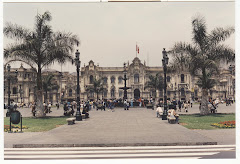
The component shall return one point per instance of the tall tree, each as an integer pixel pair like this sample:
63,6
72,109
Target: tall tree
39,48
154,83
49,85
203,57
96,87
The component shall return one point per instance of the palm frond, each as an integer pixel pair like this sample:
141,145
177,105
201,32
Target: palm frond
220,34
15,31
199,31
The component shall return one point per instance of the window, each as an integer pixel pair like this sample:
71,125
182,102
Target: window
105,94
105,80
168,78
112,92
136,78
70,92
120,80
196,93
182,78
168,93
112,79
161,78
91,79
120,93
14,90
91,94
182,92
161,94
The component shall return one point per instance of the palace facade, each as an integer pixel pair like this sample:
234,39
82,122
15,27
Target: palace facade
179,85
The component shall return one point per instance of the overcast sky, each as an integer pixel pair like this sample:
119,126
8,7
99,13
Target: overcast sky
109,31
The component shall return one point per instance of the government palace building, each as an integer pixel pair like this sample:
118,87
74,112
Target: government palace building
179,85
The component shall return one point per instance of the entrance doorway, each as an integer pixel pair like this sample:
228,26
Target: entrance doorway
136,94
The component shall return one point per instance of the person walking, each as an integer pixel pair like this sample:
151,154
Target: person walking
57,105
179,105
185,104
45,107
33,109
49,107
140,102
125,104
174,104
104,105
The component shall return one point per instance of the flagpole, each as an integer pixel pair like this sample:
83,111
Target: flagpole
136,49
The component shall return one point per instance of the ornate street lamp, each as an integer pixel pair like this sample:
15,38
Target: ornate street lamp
9,91
232,80
125,88
165,63
77,63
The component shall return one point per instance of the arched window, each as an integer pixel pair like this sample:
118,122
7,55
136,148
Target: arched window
105,80
112,92
112,79
136,78
14,90
120,80
70,92
182,78
91,79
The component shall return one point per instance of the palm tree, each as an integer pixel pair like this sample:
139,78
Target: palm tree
154,83
39,48
203,57
49,85
96,87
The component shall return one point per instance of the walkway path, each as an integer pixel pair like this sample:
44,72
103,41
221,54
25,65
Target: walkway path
138,126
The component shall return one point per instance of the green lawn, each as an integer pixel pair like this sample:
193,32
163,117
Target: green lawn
40,124
204,122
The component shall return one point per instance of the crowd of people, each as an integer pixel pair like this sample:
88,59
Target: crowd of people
85,106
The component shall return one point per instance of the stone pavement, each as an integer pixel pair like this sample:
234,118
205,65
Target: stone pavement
138,126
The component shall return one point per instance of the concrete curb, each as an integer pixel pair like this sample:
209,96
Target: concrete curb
112,145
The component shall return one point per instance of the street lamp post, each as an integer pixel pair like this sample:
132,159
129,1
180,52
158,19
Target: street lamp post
9,91
164,63
125,88
77,63
232,80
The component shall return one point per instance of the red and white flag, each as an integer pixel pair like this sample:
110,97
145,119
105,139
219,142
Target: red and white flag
137,49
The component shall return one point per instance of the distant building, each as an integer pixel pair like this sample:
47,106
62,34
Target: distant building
179,85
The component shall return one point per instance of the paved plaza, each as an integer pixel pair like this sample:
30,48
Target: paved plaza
138,126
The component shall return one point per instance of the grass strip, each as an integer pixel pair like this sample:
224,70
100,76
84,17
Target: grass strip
39,124
197,121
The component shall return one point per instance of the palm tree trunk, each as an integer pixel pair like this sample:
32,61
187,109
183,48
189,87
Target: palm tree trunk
204,102
39,106
46,97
